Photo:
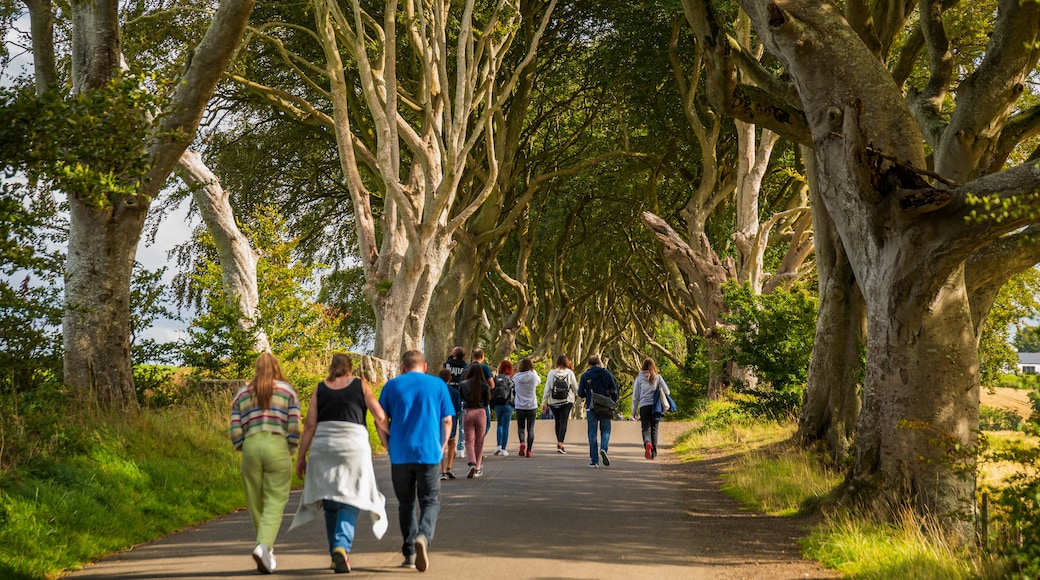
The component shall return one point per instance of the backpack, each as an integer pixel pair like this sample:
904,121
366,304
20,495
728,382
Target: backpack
502,391
560,388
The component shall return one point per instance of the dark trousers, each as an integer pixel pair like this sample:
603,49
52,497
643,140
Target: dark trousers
525,425
561,413
416,483
649,424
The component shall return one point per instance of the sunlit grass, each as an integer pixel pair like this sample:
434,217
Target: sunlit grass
130,478
768,472
860,547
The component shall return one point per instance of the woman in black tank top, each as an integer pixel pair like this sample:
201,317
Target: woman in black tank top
341,456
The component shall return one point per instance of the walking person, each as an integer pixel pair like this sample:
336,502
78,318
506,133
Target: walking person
265,427
335,460
597,380
457,364
456,403
526,380
478,360
561,388
475,397
646,385
503,399
419,410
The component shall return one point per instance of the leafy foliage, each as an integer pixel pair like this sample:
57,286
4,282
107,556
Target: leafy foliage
30,290
88,145
297,325
1027,339
772,334
1017,300
996,419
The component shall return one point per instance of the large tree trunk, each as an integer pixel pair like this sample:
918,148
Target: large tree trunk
103,241
96,326
917,431
237,258
831,404
455,288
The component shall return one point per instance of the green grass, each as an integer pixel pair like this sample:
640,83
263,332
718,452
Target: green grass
770,473
859,547
123,479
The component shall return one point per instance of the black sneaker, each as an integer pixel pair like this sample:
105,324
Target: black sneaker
444,476
450,474
409,562
603,456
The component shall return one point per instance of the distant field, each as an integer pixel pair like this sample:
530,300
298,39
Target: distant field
1005,398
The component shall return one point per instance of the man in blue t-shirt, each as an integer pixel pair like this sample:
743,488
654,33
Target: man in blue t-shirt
420,414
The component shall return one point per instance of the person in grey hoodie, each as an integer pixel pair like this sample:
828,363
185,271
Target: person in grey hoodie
597,380
648,381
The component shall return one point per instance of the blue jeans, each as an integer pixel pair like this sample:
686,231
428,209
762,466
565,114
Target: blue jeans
416,483
504,413
594,420
340,521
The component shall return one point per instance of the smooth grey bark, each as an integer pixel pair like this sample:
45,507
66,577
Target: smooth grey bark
831,403
236,256
907,241
103,241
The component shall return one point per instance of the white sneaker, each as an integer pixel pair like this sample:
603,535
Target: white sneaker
498,450
264,558
505,453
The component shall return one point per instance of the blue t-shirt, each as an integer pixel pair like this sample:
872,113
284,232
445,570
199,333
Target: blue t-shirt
417,404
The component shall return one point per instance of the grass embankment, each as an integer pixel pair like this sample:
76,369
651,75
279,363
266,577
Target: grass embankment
111,480
771,474
76,486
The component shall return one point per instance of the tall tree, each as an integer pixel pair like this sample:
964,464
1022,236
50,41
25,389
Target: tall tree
410,90
110,186
930,239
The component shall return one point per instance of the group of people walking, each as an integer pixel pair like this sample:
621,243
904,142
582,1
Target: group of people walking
417,417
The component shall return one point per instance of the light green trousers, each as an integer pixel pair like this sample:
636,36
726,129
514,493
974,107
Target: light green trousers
267,475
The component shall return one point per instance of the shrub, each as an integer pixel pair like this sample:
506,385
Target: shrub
996,419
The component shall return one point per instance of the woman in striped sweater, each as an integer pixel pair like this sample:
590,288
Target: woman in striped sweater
265,427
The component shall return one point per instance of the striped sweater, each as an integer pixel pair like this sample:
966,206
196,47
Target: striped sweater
283,417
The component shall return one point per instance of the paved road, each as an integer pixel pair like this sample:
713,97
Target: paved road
549,516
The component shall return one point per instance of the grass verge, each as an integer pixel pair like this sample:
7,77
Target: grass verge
769,473
117,479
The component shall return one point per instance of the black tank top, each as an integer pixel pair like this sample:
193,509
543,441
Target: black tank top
346,404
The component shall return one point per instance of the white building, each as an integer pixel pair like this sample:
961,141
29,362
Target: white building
1029,363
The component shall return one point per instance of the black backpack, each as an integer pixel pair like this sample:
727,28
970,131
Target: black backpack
560,388
501,393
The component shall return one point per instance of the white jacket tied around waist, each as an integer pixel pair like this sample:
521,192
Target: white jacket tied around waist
339,467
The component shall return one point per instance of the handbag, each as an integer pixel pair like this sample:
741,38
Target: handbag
603,406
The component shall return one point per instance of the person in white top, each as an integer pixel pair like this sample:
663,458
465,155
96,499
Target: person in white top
647,382
526,382
560,381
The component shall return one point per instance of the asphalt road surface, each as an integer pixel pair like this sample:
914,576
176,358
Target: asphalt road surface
550,516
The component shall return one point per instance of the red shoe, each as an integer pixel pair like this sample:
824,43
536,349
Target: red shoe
523,451
528,453
649,450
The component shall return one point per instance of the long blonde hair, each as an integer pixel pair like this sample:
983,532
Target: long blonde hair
650,368
266,373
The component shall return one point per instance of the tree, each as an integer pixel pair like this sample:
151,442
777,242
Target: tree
929,239
1027,339
110,166
287,312
411,94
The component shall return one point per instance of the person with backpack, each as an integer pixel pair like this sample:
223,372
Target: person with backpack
526,381
475,398
456,364
503,397
598,388
561,388
456,402
646,385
